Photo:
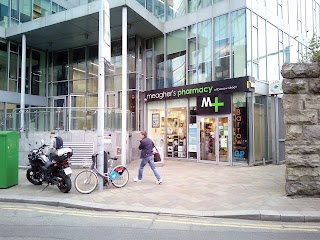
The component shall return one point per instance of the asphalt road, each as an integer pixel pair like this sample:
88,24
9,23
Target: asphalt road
33,222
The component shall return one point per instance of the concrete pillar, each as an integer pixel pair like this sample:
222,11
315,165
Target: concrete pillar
124,84
23,82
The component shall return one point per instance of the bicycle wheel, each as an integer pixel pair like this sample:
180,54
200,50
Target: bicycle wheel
121,176
86,181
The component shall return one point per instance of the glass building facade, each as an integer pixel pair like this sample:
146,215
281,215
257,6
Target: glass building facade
231,40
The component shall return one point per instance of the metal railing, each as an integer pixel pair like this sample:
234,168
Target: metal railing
64,119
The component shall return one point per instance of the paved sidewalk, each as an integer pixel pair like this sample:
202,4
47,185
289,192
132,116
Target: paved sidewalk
189,188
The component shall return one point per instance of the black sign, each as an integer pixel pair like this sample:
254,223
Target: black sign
242,84
214,104
240,130
155,120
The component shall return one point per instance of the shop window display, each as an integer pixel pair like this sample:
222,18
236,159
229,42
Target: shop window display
156,123
177,132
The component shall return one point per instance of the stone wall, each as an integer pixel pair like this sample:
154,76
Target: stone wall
301,102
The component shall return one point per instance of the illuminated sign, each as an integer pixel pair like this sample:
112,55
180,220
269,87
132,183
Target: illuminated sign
242,84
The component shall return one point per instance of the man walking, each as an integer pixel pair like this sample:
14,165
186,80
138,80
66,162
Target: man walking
146,146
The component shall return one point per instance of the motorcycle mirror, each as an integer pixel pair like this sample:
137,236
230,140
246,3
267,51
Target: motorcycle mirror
42,141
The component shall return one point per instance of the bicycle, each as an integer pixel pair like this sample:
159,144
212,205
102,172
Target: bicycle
87,180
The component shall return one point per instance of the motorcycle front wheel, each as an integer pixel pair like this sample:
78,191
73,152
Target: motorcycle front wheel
65,183
34,177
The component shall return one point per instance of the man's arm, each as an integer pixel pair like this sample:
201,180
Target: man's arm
141,145
52,146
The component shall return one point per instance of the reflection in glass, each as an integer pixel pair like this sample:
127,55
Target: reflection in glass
41,8
222,48
3,64
176,58
38,77
238,33
159,9
4,13
260,128
262,49
204,51
78,70
207,139
25,13
159,62
223,131
175,8
176,122
273,53
60,73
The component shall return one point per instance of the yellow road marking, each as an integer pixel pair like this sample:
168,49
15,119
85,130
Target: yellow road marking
236,226
178,221
270,225
48,210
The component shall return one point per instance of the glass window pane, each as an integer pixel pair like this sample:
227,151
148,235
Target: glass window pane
13,74
38,78
78,64
15,9
192,5
176,58
25,14
176,119
222,48
260,128
192,31
192,77
55,8
205,51
60,66
175,9
156,110
93,85
192,53
159,9
116,57
3,64
4,13
238,34
93,64
149,5
206,3
78,86
41,8
149,56
249,43
273,71
142,2
262,49
159,62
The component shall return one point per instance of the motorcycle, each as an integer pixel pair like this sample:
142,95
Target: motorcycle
57,172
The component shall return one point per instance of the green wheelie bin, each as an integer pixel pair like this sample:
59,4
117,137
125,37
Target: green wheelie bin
9,159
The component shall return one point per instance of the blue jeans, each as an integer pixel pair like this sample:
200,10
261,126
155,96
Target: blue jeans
150,160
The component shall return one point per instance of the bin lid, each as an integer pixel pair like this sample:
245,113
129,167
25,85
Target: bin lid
5,133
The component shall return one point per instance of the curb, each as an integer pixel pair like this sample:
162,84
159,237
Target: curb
259,215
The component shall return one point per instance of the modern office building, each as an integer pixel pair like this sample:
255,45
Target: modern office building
201,73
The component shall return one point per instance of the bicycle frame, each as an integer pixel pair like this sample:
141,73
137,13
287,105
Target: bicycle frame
112,172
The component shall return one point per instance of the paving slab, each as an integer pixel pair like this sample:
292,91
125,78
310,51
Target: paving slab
189,188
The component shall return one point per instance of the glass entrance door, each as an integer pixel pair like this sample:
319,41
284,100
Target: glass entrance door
59,114
207,139
214,139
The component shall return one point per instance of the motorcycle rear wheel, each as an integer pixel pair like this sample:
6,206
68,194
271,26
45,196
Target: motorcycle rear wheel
65,184
33,177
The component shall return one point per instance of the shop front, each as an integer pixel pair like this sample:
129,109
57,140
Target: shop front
205,122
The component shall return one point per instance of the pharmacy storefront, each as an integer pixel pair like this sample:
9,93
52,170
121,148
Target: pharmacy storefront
207,122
